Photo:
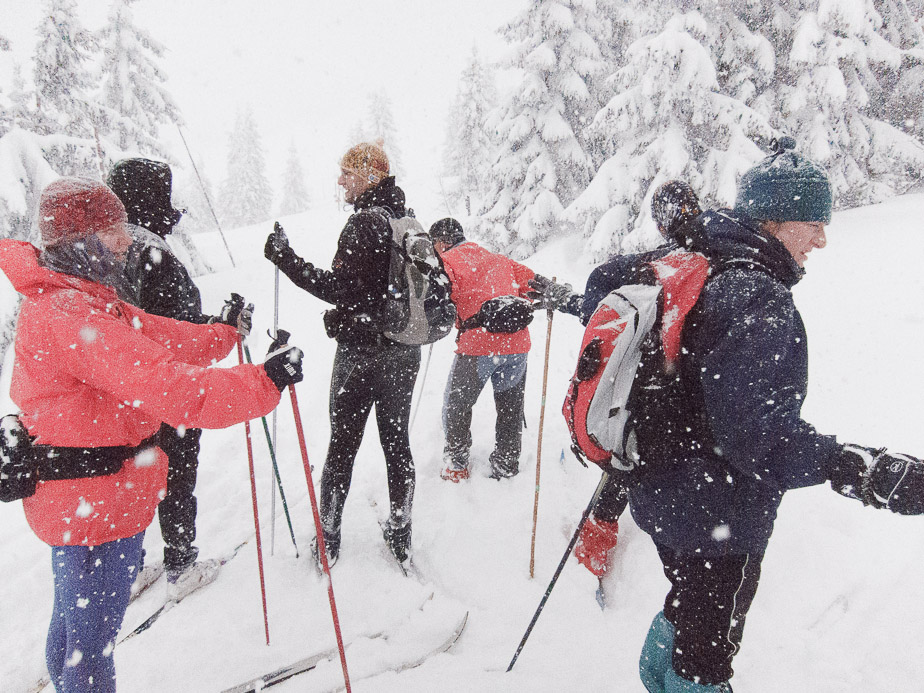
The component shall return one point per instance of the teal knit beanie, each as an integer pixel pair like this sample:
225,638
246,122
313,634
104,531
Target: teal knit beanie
785,187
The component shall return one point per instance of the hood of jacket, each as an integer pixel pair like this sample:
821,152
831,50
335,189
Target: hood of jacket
385,194
19,260
727,238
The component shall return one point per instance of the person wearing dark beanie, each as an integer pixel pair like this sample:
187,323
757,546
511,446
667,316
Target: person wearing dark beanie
726,440
162,286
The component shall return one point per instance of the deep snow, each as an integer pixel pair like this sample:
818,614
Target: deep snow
840,604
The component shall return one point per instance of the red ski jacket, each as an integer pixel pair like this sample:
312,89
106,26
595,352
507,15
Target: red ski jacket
91,370
477,275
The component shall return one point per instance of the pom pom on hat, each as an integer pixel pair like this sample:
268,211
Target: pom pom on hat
785,186
367,160
74,208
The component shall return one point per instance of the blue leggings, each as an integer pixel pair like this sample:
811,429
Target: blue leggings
92,590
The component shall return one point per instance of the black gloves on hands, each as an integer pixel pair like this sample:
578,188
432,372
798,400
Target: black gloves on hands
236,314
283,364
879,478
548,294
277,245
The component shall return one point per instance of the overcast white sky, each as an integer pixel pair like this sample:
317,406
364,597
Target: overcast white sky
306,68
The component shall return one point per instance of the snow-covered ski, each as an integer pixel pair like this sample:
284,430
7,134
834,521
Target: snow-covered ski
312,662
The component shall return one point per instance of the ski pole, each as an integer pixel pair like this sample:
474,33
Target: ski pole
206,195
423,380
322,549
273,440
256,514
272,452
561,566
545,381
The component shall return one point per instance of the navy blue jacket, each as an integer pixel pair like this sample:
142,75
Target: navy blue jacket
744,375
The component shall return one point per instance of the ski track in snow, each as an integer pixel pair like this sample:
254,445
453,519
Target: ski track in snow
840,603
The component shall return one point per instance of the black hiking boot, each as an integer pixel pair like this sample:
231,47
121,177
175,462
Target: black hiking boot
398,539
331,548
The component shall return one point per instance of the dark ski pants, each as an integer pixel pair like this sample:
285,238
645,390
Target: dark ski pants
92,590
707,605
467,379
177,511
366,375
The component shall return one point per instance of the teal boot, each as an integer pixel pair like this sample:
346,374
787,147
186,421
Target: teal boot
657,653
674,683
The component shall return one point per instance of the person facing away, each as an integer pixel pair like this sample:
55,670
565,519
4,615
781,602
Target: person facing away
162,286
94,375
712,484
369,368
477,275
673,205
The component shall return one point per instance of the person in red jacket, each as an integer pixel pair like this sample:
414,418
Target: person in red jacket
476,276
93,373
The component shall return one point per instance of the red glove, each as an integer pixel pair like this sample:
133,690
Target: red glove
596,541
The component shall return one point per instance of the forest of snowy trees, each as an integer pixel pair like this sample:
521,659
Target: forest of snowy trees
613,97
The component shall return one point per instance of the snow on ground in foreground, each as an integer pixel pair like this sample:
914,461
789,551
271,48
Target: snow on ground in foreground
839,607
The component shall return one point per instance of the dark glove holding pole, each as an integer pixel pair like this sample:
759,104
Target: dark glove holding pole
277,245
283,364
236,314
547,294
879,478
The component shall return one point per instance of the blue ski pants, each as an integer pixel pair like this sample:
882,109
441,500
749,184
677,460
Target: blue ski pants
92,591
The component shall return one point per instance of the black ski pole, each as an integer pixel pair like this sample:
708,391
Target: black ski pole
561,566
272,452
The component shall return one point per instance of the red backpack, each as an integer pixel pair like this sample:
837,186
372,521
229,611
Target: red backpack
632,320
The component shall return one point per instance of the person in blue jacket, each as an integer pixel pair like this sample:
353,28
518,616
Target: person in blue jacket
711,487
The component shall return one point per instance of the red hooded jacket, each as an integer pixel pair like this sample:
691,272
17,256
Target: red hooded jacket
477,275
91,370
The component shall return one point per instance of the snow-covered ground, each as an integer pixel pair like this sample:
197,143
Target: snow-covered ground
841,602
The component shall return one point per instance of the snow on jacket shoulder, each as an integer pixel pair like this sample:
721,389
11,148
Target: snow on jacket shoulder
477,275
91,371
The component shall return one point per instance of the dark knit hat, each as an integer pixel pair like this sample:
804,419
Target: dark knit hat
74,208
674,204
448,230
144,186
785,186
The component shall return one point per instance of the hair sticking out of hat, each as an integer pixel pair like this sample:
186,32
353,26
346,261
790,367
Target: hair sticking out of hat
74,208
367,160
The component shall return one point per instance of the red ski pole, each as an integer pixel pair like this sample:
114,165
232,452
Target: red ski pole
256,515
322,550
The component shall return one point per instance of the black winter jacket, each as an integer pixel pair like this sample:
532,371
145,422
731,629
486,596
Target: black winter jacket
161,284
745,373
357,282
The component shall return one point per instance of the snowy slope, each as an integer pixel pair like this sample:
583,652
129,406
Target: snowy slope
839,608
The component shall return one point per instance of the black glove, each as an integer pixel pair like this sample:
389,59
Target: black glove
283,364
879,478
277,245
548,294
236,314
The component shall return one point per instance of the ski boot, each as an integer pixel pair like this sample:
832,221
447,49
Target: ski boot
398,538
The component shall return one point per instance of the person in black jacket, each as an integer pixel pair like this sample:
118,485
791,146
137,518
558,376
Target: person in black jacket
711,486
369,369
161,285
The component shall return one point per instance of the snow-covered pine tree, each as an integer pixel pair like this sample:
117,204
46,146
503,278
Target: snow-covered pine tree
19,111
380,125
245,196
667,119
469,145
541,163
903,89
295,197
134,102
5,119
61,72
188,194
829,102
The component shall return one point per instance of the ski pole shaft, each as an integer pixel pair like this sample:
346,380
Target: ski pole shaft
423,380
273,439
561,566
272,452
322,549
545,381
256,514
